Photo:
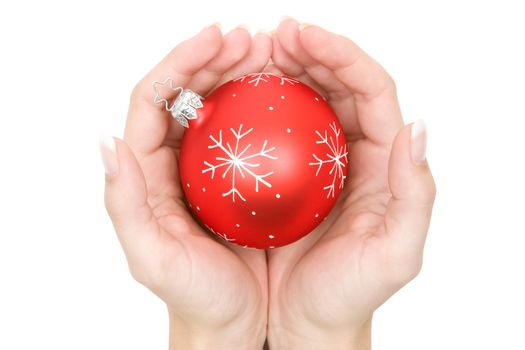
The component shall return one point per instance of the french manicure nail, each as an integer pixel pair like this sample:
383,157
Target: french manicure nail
216,24
302,26
284,18
244,26
418,142
108,153
265,32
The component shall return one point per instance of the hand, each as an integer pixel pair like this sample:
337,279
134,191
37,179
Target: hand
325,287
216,293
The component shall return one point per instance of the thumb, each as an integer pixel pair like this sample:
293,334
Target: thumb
413,191
126,198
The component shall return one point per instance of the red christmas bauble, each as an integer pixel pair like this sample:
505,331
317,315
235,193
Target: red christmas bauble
264,162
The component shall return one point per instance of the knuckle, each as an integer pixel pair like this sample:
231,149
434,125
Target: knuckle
137,92
382,83
427,191
405,269
389,83
138,274
145,275
410,271
423,190
148,272
112,208
432,189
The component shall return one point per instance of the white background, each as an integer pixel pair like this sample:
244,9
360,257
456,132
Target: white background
66,71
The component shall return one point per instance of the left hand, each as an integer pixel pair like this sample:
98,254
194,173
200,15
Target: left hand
325,287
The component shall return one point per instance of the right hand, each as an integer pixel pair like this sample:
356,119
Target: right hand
216,293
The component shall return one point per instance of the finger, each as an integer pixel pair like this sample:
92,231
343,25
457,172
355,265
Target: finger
282,58
339,97
291,67
236,45
126,199
273,69
372,89
413,191
147,123
255,61
287,35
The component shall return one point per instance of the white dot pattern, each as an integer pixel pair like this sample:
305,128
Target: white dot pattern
277,195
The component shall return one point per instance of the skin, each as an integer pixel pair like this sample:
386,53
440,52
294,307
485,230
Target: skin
319,292
324,288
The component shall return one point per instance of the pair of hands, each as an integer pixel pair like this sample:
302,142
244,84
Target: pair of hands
317,293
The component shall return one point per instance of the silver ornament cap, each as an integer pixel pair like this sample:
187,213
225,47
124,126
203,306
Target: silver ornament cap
186,103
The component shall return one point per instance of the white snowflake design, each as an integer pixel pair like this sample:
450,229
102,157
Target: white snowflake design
223,235
337,153
238,162
256,78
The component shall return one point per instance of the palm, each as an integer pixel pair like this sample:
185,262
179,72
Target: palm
208,278
349,265
202,280
346,246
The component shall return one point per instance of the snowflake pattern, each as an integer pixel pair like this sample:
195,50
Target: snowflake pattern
238,162
337,153
256,78
223,235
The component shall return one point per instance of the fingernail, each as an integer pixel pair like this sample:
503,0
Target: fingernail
244,26
216,24
264,32
284,18
108,153
418,142
302,26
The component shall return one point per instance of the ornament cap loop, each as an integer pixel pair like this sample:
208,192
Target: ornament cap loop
185,106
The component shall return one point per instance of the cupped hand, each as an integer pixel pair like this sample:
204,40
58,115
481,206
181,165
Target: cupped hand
325,287
216,293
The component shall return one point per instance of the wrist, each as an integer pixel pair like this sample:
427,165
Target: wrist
187,336
357,338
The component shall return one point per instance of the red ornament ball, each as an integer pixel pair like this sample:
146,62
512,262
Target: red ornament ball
264,162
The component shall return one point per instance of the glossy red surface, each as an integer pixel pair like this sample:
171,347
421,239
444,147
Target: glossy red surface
265,161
